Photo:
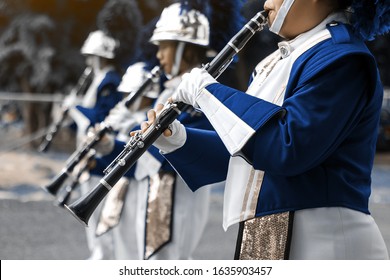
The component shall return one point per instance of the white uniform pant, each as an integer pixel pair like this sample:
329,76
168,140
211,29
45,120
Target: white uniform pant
129,233
190,216
336,233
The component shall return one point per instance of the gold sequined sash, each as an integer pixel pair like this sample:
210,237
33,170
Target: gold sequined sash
265,238
158,228
112,207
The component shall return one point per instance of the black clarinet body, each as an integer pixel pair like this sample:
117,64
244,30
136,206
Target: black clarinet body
83,208
82,84
152,77
91,142
55,185
64,196
223,59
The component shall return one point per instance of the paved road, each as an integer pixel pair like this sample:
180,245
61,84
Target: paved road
38,230
32,228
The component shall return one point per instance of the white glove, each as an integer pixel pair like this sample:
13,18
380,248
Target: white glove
120,118
106,144
171,143
70,100
192,85
81,121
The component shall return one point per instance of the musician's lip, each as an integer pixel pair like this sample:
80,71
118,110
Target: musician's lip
269,12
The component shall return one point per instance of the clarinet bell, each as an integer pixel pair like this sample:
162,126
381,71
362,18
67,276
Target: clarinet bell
83,208
56,184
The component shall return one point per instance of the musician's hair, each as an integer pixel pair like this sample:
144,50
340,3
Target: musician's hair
343,4
369,18
194,55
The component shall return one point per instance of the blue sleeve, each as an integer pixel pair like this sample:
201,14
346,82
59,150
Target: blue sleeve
320,114
107,98
253,111
202,160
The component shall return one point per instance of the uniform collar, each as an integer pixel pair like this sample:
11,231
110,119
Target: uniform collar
287,47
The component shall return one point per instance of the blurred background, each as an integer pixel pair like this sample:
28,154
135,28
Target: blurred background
40,62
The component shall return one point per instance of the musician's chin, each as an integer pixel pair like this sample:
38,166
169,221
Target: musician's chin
167,71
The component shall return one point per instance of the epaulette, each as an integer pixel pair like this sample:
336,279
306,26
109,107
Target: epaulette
339,32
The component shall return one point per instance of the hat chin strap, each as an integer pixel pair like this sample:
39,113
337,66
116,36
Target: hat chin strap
178,57
95,63
281,16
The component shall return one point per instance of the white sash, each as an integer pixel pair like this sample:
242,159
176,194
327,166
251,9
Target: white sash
89,99
243,183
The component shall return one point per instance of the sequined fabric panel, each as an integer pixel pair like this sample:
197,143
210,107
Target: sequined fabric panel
266,238
113,207
159,212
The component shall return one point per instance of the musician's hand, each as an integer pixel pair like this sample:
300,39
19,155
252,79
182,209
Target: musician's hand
106,144
192,85
172,138
70,100
152,114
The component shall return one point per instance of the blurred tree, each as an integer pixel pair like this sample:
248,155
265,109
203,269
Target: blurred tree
40,49
34,36
28,55
71,22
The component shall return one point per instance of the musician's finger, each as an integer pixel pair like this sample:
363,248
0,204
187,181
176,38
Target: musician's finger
159,107
167,132
151,116
144,126
132,133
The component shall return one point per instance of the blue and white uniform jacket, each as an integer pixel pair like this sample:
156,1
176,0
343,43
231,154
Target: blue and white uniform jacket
101,96
307,128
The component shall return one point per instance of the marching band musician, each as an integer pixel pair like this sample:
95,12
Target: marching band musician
170,218
119,216
102,94
120,212
182,35
297,149
99,99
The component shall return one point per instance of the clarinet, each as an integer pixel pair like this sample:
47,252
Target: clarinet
64,197
83,208
82,84
104,128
